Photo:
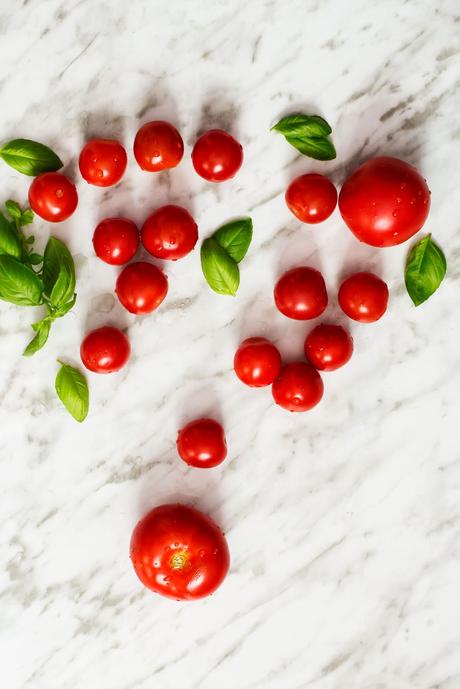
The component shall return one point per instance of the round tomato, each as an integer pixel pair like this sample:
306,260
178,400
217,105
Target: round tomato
312,198
257,362
53,197
363,297
217,156
298,387
141,287
328,347
301,294
179,552
116,240
202,443
103,162
158,146
105,350
169,233
385,201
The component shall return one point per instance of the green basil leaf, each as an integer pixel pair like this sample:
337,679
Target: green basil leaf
235,237
30,157
319,149
18,283
220,270
425,270
58,272
30,240
62,310
35,259
72,390
27,217
13,209
42,328
303,126
10,243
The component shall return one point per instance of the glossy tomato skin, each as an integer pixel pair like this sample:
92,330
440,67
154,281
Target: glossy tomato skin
257,362
53,197
385,202
179,552
217,156
328,347
103,162
301,293
116,240
169,233
201,443
363,297
298,387
105,350
141,287
158,146
311,198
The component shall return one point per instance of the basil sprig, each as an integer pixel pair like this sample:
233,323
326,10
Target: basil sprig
425,270
309,134
72,390
221,253
30,157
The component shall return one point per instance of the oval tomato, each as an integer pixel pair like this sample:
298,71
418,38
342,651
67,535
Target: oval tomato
298,387
328,347
217,156
201,443
257,362
141,287
105,350
53,197
311,198
103,162
301,293
158,146
169,233
363,297
116,240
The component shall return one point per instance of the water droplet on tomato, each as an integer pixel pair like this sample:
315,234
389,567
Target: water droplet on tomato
99,173
202,552
395,213
412,201
59,193
398,199
403,185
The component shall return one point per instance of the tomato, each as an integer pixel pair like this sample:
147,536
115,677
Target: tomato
202,443
363,297
312,198
116,240
179,552
217,156
158,146
103,162
257,362
141,287
385,201
328,347
53,197
105,350
298,387
169,233
301,293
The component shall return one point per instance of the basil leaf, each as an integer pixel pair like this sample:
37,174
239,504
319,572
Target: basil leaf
42,329
13,209
72,390
58,272
303,126
10,243
30,157
35,259
30,240
319,149
18,283
220,270
27,217
235,237
62,310
425,270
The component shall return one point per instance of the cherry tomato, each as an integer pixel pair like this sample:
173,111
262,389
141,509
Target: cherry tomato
328,347
385,201
301,294
141,287
363,297
105,350
257,362
158,146
217,156
298,387
116,240
169,233
179,552
103,162
202,443
312,198
53,197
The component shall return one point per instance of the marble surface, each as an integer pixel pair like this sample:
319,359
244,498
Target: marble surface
343,523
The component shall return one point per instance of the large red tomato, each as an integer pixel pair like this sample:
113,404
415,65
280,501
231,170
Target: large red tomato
301,293
105,350
169,233
103,162
201,443
158,146
53,197
385,201
141,287
179,552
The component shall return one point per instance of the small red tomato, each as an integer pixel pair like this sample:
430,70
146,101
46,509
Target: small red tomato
217,156
298,387
363,297
328,347
158,146
53,197
202,444
116,240
257,362
179,552
301,294
103,162
312,198
105,350
141,287
169,233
